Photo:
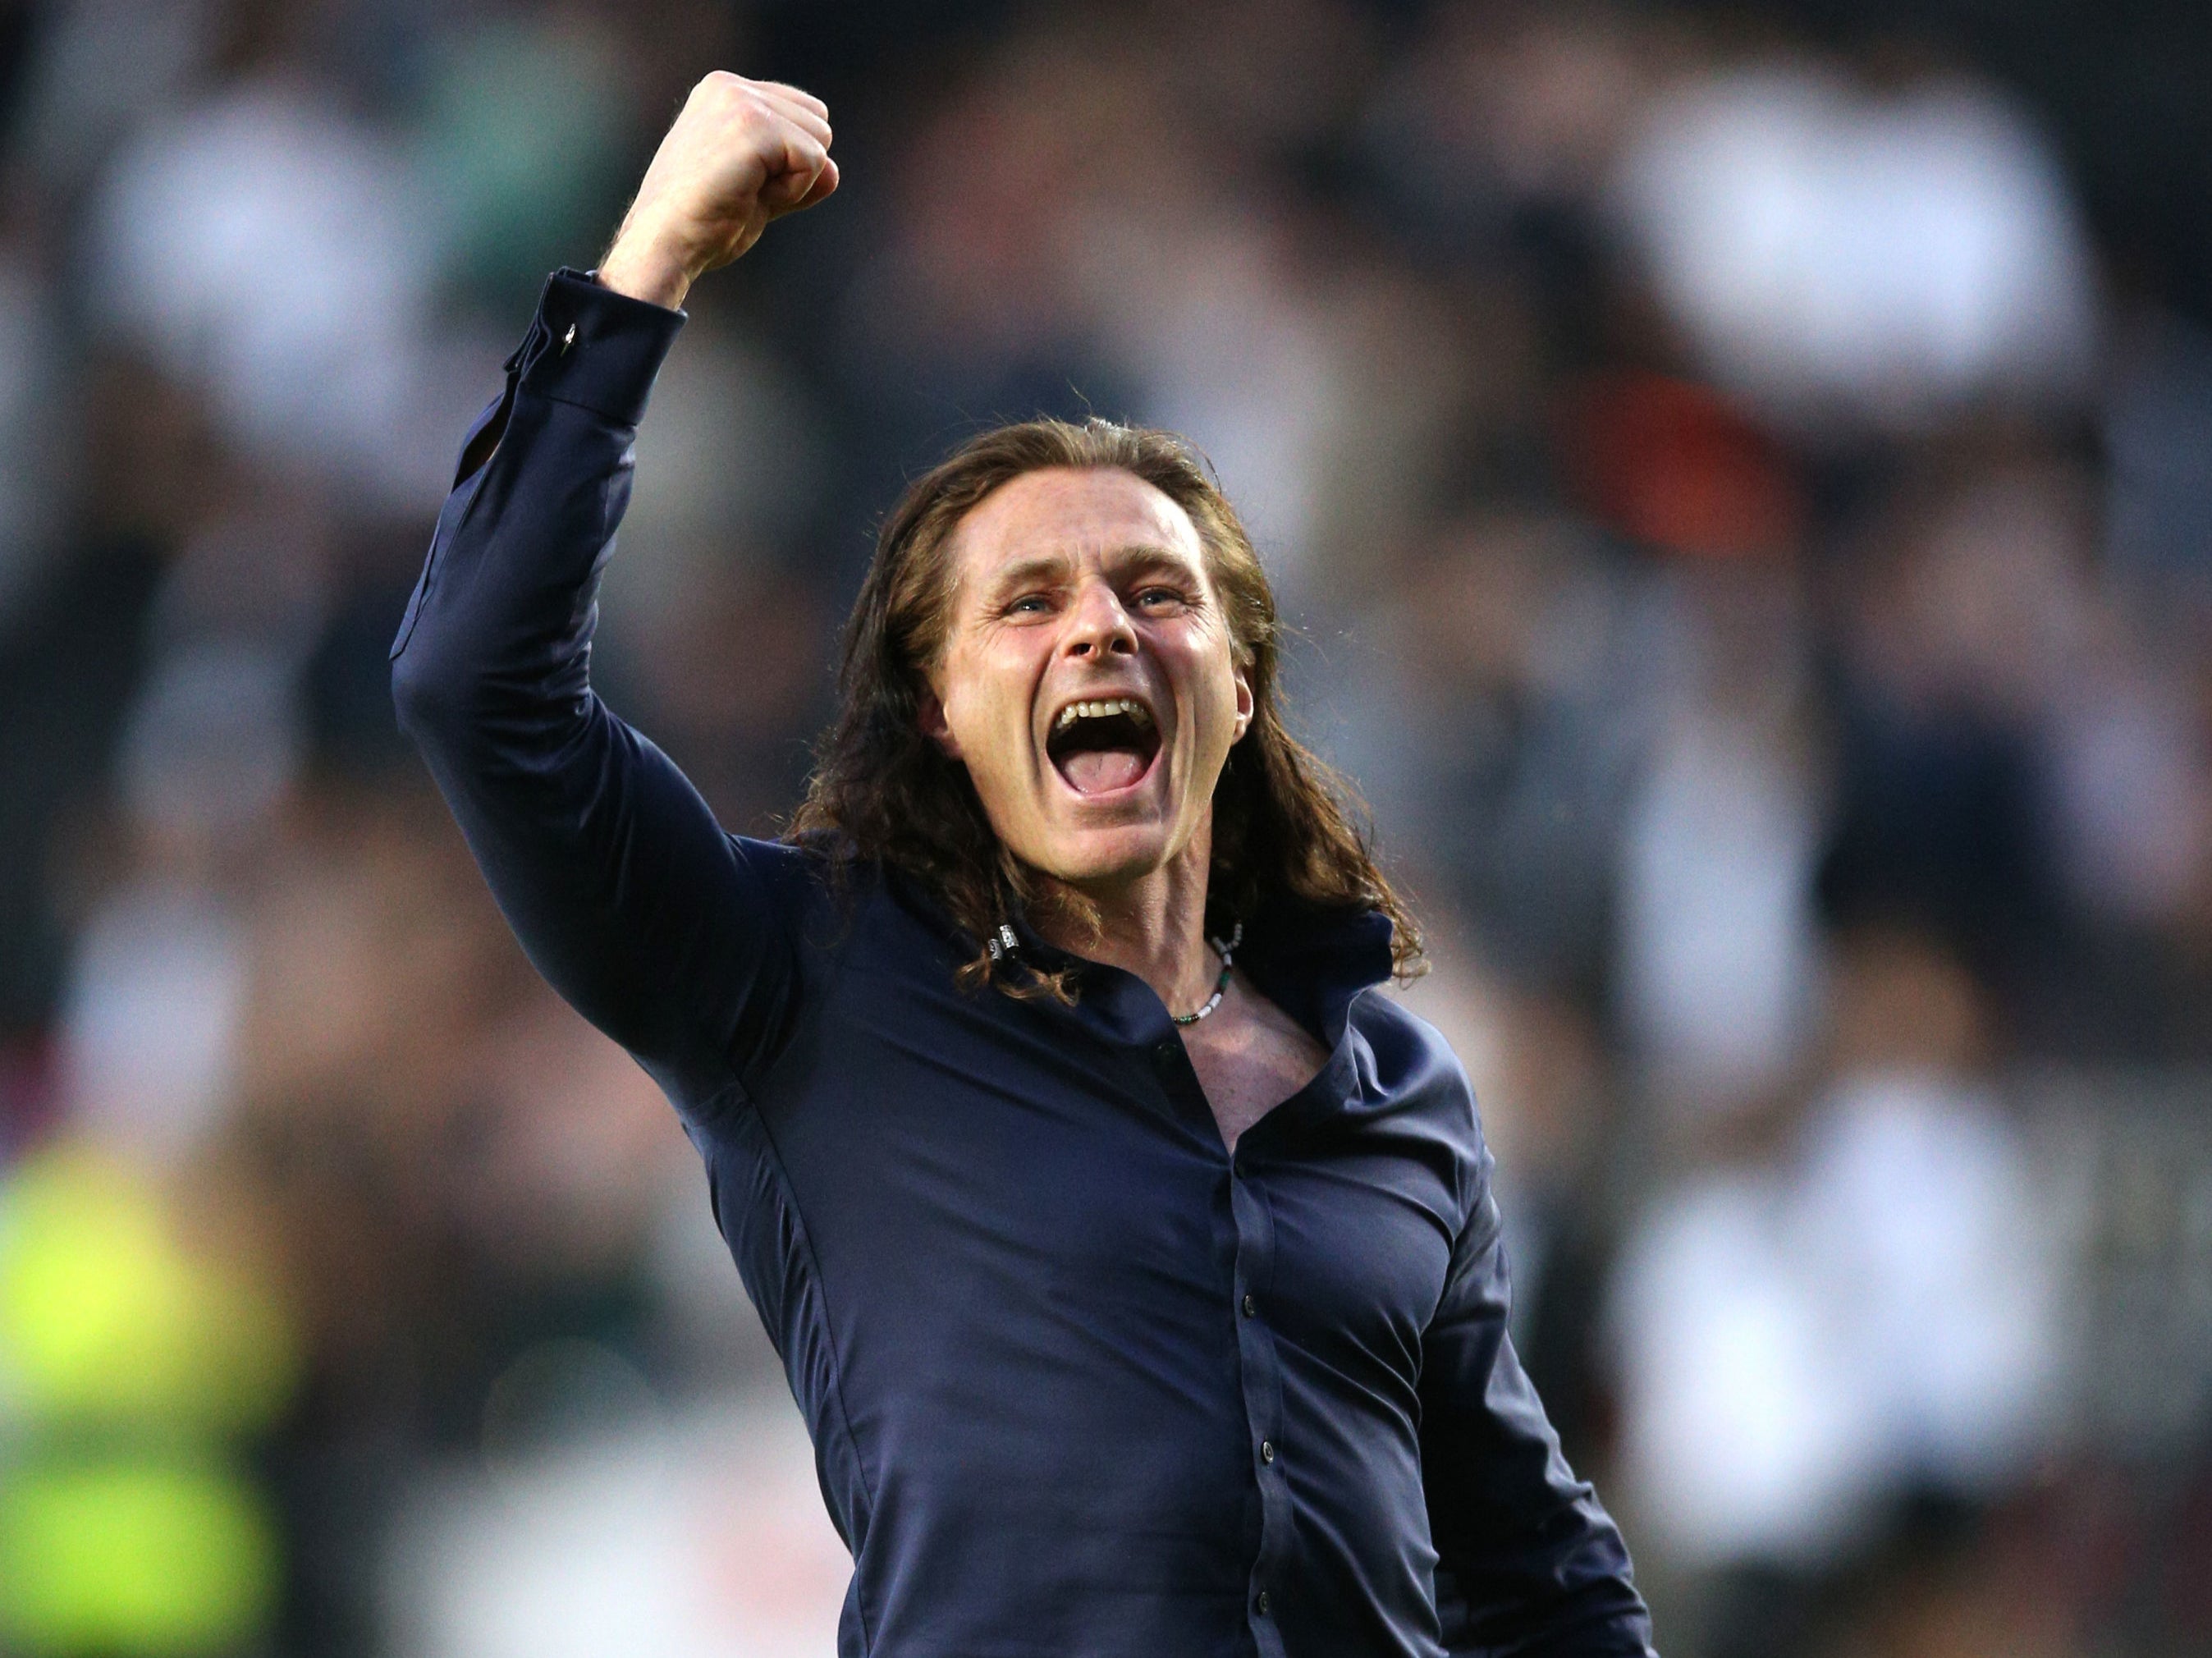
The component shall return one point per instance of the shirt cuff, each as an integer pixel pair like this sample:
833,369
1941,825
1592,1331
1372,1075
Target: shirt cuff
593,346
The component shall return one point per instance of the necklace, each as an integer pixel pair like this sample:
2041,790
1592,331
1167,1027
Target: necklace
1224,948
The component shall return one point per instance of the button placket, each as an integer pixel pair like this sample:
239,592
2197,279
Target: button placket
1262,1381
1179,1094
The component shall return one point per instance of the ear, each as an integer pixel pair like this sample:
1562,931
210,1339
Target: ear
930,716
1244,704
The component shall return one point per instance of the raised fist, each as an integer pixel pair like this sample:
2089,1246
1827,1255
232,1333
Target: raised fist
741,153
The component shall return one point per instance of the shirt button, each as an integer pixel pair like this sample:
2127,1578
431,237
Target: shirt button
1266,1451
1251,1306
1260,1603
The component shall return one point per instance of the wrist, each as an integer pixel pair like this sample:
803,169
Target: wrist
644,268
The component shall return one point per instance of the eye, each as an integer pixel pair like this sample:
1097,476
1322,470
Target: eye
1155,597
1029,604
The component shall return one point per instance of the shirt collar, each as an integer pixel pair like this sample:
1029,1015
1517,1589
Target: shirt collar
1310,962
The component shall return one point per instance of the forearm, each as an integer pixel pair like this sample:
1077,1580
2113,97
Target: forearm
1565,1594
643,267
1530,1564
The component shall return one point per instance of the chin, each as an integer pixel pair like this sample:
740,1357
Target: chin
1102,857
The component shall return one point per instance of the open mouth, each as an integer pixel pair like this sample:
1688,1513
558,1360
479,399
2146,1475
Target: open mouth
1103,745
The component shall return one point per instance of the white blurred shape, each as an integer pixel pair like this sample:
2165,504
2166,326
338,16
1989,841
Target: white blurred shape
1830,251
271,248
150,1022
1230,355
2133,801
702,1537
1742,1438
1917,1210
1880,1315
1716,927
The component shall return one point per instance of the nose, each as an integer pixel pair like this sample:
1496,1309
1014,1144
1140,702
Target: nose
1097,625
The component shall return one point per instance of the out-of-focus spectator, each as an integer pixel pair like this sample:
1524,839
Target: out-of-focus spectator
1854,1307
262,242
1714,969
1499,725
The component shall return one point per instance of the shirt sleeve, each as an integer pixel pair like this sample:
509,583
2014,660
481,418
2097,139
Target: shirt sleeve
673,936
1528,1563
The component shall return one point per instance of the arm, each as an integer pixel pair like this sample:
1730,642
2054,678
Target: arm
1529,1564
657,925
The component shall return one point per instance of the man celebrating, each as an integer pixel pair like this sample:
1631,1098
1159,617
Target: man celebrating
1136,1270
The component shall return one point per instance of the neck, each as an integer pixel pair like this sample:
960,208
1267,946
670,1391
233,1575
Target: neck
1154,926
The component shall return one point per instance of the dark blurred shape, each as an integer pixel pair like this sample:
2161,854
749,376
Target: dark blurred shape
2158,439
1514,666
346,682
67,658
1967,616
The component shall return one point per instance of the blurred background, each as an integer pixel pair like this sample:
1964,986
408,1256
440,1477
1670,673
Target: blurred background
1744,477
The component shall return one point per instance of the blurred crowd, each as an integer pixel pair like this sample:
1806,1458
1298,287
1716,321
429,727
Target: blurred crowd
1748,512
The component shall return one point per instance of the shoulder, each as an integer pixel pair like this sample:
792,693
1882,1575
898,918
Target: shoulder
1413,1070
1410,1053
844,903
794,879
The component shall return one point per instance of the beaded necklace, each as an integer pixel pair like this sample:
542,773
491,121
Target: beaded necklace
1225,949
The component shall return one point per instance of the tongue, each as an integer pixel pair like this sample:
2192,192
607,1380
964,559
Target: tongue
1094,771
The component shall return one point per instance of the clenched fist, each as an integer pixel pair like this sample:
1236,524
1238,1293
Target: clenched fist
741,153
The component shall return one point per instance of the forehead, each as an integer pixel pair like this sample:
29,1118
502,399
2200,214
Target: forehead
1071,514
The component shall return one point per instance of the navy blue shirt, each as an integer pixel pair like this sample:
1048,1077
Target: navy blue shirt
1079,1382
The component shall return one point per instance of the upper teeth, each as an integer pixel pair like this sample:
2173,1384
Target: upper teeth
1130,705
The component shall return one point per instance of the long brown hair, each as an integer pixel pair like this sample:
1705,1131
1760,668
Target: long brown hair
1284,828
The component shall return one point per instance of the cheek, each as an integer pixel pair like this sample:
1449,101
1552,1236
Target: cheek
986,703
1210,672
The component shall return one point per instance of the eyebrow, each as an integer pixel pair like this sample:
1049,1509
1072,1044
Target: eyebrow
1031,566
